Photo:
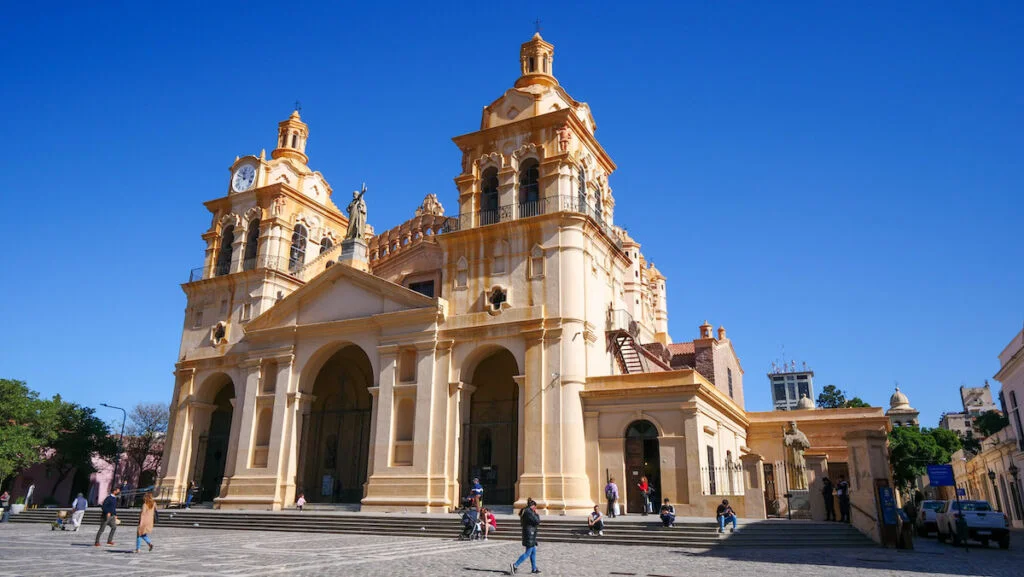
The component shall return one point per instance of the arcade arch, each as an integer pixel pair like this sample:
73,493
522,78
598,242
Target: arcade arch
336,429
490,428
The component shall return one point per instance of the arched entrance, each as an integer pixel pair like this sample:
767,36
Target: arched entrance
212,451
642,460
490,430
336,431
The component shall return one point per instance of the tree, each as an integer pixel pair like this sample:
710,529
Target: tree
82,436
855,403
912,449
990,423
831,397
144,438
27,424
948,440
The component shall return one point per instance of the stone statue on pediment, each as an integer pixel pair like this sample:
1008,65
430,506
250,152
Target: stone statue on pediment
356,215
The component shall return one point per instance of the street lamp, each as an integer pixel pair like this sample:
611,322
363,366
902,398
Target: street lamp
120,441
992,477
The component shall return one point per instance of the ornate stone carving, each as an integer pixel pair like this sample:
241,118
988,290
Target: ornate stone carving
564,138
277,208
431,206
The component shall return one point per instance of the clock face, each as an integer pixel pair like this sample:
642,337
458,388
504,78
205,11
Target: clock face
244,178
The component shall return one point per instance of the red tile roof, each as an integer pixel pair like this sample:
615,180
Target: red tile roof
681,348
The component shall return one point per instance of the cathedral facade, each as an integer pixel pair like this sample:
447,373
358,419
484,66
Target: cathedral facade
523,341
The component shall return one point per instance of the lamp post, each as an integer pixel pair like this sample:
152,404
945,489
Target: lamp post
120,441
995,491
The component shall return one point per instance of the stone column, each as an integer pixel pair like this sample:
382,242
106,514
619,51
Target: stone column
383,410
753,481
817,470
239,462
692,435
531,421
179,430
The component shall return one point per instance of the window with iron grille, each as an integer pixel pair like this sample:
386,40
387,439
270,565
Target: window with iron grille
227,239
529,185
297,255
252,240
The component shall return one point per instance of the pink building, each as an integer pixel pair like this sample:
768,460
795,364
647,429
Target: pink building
48,485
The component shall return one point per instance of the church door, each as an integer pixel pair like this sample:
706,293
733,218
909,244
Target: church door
642,457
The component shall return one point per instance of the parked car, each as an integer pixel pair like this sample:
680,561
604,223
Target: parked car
983,524
926,517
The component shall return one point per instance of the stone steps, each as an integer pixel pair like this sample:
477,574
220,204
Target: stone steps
686,534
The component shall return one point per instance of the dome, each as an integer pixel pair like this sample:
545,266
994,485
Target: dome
805,403
898,400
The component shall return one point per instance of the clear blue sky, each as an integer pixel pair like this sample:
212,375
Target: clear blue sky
840,178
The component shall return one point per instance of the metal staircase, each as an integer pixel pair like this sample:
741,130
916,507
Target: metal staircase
630,359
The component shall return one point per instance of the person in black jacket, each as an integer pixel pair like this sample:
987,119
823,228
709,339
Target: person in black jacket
529,520
826,493
109,517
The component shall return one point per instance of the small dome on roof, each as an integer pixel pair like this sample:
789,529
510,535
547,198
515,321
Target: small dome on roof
898,400
805,403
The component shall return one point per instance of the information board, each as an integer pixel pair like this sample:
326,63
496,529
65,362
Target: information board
941,476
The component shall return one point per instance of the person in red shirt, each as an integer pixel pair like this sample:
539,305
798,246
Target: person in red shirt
645,490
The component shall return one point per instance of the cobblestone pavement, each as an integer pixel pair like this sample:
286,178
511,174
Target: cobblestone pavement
33,550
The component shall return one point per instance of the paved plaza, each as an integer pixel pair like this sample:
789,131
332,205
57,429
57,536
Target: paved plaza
33,550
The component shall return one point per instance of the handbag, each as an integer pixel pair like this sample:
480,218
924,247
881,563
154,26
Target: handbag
615,508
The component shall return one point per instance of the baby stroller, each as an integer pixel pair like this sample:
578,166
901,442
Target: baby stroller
61,522
472,527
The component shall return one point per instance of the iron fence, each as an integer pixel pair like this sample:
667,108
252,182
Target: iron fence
278,263
722,480
531,208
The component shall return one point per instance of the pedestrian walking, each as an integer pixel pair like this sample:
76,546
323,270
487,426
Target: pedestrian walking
78,506
611,494
108,518
529,520
189,494
843,492
301,501
147,517
826,495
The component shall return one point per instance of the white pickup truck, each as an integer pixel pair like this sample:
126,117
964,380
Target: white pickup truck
983,524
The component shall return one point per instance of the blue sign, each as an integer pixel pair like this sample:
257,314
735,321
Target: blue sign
961,492
888,501
941,476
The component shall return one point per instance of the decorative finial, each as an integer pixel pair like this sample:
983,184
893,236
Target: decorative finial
263,154
298,106
536,25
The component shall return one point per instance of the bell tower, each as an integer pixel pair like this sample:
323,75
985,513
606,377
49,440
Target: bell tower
536,59
291,138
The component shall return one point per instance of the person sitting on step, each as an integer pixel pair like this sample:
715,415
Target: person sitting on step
596,522
668,514
489,521
725,514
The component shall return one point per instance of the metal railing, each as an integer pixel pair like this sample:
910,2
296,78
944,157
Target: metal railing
531,208
278,263
722,480
621,320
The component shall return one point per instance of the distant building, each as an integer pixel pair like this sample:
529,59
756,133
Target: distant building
959,423
900,413
977,400
788,385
